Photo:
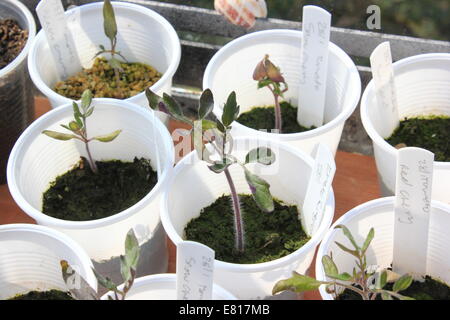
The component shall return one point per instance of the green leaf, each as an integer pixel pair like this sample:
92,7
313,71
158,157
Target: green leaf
108,137
125,269
297,283
89,112
206,104
345,276
132,250
368,240
386,296
173,107
86,99
73,126
109,20
102,47
381,279
105,281
349,235
260,191
66,127
77,286
264,83
344,248
58,135
230,110
220,166
76,109
206,124
329,266
402,283
261,155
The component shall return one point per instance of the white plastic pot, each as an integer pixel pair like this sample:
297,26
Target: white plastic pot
163,287
231,69
422,86
143,36
30,256
379,214
36,160
194,187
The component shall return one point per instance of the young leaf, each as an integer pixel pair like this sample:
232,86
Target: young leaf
173,107
380,279
89,112
260,191
368,240
73,126
206,104
344,248
402,283
83,290
58,135
108,137
76,109
153,99
109,20
125,269
297,283
105,282
349,235
206,124
386,296
132,249
86,99
329,266
230,110
220,166
262,155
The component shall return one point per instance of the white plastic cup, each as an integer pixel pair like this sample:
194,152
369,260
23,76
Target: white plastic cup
231,69
143,36
194,187
422,86
36,160
163,287
30,258
379,214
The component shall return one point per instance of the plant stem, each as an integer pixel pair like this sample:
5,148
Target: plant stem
90,160
278,121
238,223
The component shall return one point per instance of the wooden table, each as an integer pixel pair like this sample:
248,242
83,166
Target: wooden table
355,183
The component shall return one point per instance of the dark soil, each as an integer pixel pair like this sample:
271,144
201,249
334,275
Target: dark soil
12,41
101,80
268,236
430,133
44,295
264,118
81,195
430,289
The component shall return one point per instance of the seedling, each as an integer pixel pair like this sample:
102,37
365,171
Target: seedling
268,75
110,29
81,290
78,127
365,282
218,153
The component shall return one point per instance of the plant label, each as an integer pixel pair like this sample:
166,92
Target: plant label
195,268
313,66
62,46
384,85
318,189
156,143
412,210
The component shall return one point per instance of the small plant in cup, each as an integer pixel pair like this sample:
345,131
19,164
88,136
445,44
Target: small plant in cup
80,289
78,127
366,283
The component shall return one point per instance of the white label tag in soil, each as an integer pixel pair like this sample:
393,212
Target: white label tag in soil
412,210
383,80
313,66
318,189
195,268
62,46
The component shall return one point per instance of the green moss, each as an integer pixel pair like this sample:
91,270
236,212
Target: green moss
430,133
44,295
101,80
80,195
429,289
264,118
268,236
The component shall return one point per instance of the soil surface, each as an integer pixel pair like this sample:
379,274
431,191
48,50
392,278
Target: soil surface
264,118
12,41
101,80
81,195
268,236
44,295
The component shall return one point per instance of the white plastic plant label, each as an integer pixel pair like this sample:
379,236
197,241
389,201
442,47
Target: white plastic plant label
62,46
195,268
313,66
412,210
384,85
318,189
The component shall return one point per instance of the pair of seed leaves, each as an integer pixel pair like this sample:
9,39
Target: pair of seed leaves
78,125
217,133
80,289
301,283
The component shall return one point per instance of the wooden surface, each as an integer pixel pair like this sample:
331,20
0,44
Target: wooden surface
355,183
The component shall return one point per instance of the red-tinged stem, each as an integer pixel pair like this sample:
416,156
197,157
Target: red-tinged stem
278,121
238,223
90,160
